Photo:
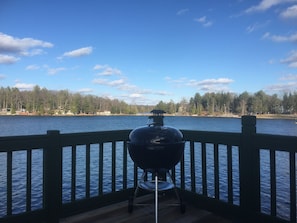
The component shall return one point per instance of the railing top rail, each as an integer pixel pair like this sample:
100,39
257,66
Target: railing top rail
212,137
278,142
15,143
93,137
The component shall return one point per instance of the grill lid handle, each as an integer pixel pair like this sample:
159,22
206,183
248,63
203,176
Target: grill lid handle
157,117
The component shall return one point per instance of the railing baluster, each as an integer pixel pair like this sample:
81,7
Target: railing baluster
193,175
125,167
29,178
9,184
88,170
135,176
182,173
113,167
216,171
204,170
293,186
230,174
272,183
173,172
100,178
73,173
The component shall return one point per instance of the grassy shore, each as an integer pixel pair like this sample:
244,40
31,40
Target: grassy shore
218,115
278,116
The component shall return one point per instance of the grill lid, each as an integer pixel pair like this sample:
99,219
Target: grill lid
155,133
156,146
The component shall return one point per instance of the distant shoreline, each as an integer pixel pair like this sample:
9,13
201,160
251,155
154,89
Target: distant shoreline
278,116
259,116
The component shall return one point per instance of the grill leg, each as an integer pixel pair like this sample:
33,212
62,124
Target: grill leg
132,198
182,205
156,197
175,189
137,188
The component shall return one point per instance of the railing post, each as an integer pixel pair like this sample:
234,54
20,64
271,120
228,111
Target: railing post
249,167
52,186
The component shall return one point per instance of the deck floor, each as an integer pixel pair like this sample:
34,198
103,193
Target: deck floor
118,213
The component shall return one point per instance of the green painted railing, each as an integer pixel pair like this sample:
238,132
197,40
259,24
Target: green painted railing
222,172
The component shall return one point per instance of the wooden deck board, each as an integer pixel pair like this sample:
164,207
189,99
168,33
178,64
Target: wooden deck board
118,213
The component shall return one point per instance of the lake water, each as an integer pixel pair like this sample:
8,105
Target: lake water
18,125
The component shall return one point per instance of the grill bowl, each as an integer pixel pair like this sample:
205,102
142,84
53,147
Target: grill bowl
156,147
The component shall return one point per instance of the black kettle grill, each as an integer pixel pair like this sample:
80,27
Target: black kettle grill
156,149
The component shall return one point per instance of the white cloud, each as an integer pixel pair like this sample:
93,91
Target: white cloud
100,81
250,28
289,77
201,19
212,85
291,60
12,47
111,71
33,52
278,38
290,12
32,67
256,26
288,83
161,93
142,99
85,90
106,70
10,44
209,85
78,52
2,76
119,83
135,95
215,81
6,59
53,71
177,82
207,24
204,21
283,87
116,82
182,11
24,86
266,4
131,91
99,67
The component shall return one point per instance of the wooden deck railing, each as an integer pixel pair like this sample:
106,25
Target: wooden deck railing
232,174
251,181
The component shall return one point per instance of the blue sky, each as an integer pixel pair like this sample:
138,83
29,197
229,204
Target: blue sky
144,51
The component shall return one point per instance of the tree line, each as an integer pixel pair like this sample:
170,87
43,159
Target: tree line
41,101
230,103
